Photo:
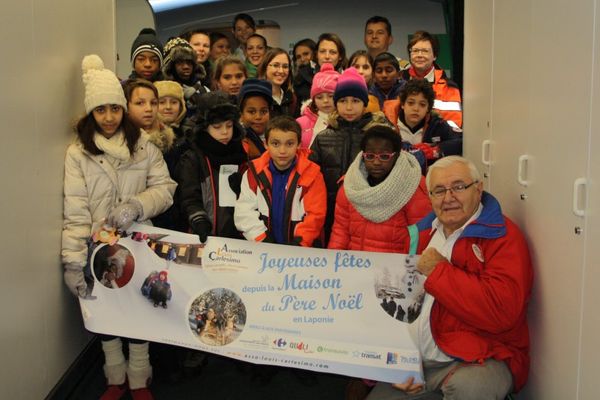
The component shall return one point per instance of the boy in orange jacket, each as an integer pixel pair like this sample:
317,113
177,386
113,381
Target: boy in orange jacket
283,198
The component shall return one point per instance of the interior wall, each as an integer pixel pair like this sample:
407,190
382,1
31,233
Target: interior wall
310,18
132,16
511,105
42,92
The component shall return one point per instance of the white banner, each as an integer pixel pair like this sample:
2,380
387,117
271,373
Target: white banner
341,312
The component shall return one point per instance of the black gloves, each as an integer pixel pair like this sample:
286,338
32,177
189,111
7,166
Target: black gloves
235,183
201,226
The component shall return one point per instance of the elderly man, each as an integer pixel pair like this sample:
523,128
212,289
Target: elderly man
472,331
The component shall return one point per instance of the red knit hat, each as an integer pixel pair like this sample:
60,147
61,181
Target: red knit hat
324,81
351,83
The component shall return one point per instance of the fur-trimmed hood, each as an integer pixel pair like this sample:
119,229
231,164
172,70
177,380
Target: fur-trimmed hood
182,53
162,138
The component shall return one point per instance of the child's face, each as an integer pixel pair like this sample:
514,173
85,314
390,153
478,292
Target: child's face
376,149
421,56
278,70
255,50
350,108
169,107
415,109
220,48
324,102
242,31
328,53
303,55
363,67
201,44
146,64
184,69
255,114
221,132
231,79
142,107
385,74
282,147
108,118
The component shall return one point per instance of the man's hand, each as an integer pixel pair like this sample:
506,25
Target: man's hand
428,260
409,386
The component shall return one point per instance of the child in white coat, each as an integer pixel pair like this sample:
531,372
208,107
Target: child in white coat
114,176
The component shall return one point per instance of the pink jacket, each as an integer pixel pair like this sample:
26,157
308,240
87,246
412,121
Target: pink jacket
307,122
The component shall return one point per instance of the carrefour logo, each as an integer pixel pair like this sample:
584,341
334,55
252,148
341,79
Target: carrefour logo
279,342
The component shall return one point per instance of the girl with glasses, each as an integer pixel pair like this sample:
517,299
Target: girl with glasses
383,192
336,147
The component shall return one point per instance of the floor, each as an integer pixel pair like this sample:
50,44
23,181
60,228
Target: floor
220,378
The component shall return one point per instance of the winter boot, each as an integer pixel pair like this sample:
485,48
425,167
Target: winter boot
115,369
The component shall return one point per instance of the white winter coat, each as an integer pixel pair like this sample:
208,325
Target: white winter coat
93,187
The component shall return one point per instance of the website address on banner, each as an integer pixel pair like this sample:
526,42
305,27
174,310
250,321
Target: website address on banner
272,329
285,361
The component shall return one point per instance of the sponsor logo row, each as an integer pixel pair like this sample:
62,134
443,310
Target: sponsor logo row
283,344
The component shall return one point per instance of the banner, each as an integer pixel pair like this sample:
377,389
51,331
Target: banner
343,312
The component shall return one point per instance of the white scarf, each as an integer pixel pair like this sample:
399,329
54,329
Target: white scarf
115,146
320,125
379,203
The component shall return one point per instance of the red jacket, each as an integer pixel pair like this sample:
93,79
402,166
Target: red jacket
352,231
481,295
306,201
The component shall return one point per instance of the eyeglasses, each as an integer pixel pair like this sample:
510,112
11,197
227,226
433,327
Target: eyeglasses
420,51
380,156
440,191
280,66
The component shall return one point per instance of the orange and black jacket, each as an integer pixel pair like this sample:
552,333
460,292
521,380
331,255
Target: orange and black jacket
305,201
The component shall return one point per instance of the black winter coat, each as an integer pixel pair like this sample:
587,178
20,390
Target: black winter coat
197,174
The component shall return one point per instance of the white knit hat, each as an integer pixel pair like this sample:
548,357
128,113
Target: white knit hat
101,85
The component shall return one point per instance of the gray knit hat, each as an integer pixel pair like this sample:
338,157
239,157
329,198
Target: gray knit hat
101,84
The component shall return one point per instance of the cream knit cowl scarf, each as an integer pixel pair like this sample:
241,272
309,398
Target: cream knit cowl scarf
115,147
379,203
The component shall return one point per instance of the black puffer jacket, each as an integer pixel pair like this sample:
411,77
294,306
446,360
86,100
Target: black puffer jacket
197,174
334,149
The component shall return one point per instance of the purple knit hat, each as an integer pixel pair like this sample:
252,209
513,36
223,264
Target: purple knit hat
351,83
324,81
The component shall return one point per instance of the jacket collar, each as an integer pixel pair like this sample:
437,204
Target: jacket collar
489,225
